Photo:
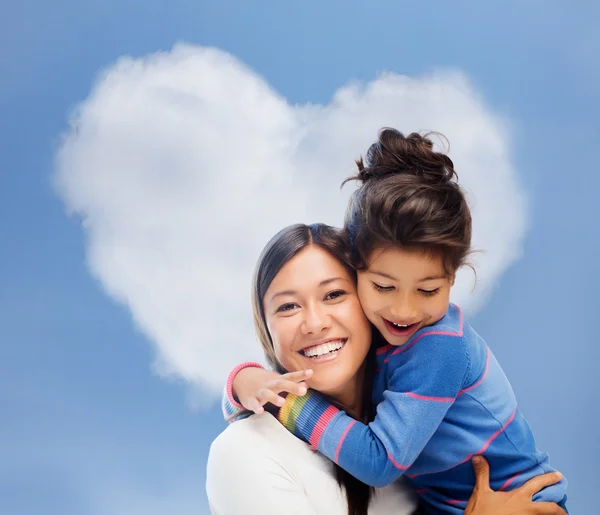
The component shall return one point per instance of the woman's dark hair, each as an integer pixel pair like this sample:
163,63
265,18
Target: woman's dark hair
280,250
409,198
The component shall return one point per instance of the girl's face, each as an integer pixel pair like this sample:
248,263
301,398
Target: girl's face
402,291
315,320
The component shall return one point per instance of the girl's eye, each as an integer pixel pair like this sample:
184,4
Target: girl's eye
335,294
378,287
286,307
429,293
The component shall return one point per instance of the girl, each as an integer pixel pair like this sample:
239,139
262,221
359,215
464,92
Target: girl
441,396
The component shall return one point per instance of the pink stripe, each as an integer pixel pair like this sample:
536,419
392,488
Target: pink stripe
487,364
480,451
402,349
231,378
339,445
495,435
427,398
509,481
321,425
384,349
429,333
449,501
396,464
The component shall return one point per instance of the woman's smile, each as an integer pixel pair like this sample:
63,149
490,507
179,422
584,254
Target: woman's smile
324,351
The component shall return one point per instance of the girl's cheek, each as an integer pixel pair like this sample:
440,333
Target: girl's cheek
367,303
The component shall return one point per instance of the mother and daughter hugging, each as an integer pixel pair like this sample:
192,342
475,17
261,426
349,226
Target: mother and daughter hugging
380,398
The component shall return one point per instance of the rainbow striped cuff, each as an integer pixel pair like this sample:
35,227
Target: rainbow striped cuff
307,417
232,409
232,413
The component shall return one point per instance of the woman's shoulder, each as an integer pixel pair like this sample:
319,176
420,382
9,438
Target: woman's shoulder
260,449
261,439
253,435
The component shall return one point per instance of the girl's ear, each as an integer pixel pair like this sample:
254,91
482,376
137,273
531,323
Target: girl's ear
452,279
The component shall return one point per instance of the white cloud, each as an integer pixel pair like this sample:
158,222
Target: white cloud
183,164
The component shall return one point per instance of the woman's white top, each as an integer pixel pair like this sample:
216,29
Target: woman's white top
257,467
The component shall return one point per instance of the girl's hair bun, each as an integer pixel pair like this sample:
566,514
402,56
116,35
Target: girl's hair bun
394,153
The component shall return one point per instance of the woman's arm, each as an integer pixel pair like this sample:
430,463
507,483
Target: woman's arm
485,501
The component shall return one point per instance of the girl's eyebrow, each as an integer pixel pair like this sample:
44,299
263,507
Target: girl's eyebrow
432,278
391,277
382,274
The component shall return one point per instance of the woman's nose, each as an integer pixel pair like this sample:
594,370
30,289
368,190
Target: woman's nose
315,320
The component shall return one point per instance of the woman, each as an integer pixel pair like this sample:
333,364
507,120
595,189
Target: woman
305,293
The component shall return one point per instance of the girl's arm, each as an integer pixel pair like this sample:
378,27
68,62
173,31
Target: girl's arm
233,410
419,394
249,387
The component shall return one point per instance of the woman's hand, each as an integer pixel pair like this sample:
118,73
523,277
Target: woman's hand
255,387
485,501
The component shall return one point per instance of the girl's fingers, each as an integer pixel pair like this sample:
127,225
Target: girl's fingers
302,389
534,485
299,375
256,406
283,385
265,395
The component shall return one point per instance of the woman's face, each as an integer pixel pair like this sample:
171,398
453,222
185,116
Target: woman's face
316,322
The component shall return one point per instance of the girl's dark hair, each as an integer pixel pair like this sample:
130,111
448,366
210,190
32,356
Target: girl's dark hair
280,250
409,198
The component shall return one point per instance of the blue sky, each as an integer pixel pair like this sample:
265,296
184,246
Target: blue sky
87,427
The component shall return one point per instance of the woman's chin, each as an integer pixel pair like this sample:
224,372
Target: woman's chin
328,384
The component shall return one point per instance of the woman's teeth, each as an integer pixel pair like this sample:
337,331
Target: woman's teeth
400,326
323,348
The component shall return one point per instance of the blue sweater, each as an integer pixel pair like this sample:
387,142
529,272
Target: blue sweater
441,399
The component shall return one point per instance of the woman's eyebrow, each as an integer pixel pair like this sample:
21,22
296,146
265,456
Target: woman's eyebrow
324,282
282,293
332,279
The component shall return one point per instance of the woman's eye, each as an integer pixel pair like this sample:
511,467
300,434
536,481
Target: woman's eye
429,293
286,307
378,287
335,294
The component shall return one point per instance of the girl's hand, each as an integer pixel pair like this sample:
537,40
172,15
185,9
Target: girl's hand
485,501
255,387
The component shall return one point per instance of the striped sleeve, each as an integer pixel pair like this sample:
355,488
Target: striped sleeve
420,392
232,409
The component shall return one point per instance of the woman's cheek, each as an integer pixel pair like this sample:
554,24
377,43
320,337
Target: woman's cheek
281,345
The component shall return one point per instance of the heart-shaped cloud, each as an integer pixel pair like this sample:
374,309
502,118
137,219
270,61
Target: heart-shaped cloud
183,164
